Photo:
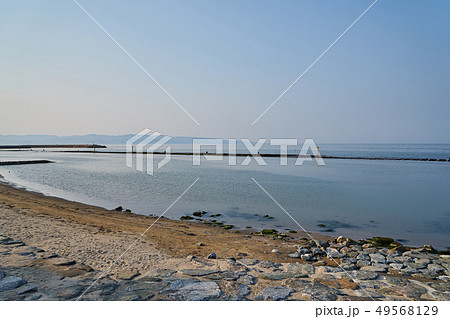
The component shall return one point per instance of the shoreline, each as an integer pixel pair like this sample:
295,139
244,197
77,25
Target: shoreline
50,242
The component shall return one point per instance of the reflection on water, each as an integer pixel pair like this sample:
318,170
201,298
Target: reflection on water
404,200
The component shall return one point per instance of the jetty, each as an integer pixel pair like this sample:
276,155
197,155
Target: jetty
25,162
31,146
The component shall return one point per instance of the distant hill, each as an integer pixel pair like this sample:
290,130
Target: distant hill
77,139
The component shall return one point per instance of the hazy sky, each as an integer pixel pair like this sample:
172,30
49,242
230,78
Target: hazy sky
386,80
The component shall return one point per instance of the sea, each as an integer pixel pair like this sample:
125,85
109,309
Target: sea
406,200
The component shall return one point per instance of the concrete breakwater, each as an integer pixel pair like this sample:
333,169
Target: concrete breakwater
25,162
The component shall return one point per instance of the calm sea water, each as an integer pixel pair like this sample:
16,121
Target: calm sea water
357,198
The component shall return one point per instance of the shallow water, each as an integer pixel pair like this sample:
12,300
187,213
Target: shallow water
357,198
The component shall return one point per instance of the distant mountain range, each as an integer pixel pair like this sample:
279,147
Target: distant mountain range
77,139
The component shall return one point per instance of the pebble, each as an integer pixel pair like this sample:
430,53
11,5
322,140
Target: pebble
212,256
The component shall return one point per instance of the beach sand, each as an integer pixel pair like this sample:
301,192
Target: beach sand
95,240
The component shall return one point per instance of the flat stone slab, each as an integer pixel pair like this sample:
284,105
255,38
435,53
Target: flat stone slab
377,268
194,290
27,288
198,272
301,269
248,261
67,293
127,275
280,275
363,275
274,293
11,282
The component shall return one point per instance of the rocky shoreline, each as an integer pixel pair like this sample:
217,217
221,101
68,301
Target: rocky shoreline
54,249
365,272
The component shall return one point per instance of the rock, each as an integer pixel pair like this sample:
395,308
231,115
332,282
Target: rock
334,253
363,257
2,274
247,280
391,259
367,245
306,257
269,264
319,263
314,290
382,241
432,267
364,275
11,282
11,242
375,268
396,266
118,209
248,261
413,291
63,262
212,256
127,274
198,272
27,288
244,290
377,258
362,263
276,251
160,272
317,251
274,293
200,244
347,266
416,265
301,269
409,270
279,275
67,293
340,239
295,255
194,291
323,243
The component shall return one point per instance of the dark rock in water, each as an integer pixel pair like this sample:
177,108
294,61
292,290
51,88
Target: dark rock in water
382,241
118,209
274,293
26,289
2,274
11,282
186,218
269,232
212,256
197,214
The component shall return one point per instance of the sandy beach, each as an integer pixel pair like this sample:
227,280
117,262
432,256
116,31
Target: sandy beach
59,248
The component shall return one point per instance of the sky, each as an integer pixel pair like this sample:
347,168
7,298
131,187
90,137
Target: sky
385,81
